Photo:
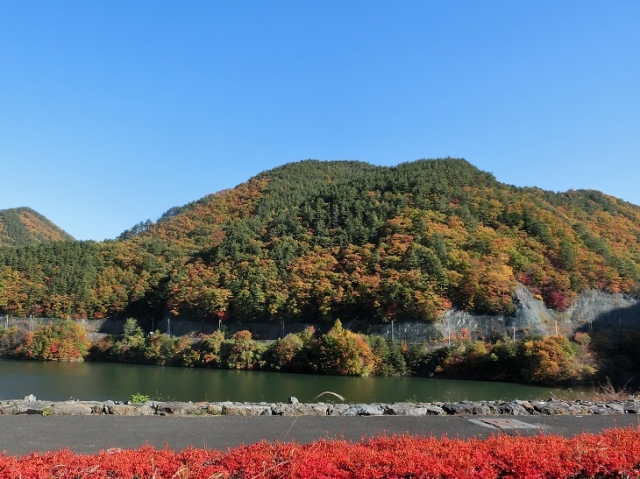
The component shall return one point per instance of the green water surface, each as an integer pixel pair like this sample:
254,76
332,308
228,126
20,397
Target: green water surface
101,381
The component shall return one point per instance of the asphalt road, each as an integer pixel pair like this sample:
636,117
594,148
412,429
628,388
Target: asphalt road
84,434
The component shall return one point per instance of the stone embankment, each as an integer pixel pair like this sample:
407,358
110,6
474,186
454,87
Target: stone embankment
30,405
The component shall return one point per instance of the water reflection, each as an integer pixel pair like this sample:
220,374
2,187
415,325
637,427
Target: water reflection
101,381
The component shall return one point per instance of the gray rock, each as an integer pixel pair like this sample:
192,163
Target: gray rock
319,409
72,408
7,408
460,408
170,409
616,408
337,409
560,408
293,400
280,409
404,409
42,408
243,409
177,408
10,408
483,410
435,411
364,410
130,409
214,409
578,409
313,409
120,409
144,410
513,409
350,411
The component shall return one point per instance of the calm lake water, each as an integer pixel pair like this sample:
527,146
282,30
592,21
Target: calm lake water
102,381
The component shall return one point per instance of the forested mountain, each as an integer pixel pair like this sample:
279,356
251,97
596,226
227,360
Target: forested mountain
315,241
23,226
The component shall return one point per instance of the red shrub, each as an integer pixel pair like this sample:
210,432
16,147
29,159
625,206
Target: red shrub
555,299
611,454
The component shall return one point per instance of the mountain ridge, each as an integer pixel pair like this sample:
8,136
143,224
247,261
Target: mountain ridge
316,241
23,226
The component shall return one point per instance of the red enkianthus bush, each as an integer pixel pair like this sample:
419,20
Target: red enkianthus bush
613,454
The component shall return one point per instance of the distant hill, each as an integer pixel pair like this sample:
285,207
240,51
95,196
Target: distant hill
315,241
24,226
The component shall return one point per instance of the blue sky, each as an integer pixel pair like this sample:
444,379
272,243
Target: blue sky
113,112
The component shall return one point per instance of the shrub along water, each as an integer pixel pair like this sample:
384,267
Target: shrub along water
343,352
58,341
537,360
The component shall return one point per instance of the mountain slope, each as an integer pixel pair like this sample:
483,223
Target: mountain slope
315,241
323,239
24,226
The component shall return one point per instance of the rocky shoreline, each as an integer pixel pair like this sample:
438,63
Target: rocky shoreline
31,405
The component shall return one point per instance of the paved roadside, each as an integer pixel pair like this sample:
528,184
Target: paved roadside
84,434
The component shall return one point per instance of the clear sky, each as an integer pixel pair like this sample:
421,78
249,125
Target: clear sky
111,112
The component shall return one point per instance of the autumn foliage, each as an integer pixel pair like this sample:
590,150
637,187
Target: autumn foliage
314,241
61,340
537,360
339,352
344,353
611,454
23,226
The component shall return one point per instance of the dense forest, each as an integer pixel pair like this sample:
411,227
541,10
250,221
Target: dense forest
23,226
316,241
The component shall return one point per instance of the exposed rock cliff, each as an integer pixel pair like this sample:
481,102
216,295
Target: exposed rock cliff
593,310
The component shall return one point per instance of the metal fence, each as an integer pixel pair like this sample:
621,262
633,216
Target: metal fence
110,326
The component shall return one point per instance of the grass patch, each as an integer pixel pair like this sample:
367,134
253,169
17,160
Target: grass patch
139,398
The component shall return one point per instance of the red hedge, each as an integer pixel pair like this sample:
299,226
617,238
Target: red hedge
612,454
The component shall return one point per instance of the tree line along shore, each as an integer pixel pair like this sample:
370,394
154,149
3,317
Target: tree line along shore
584,358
